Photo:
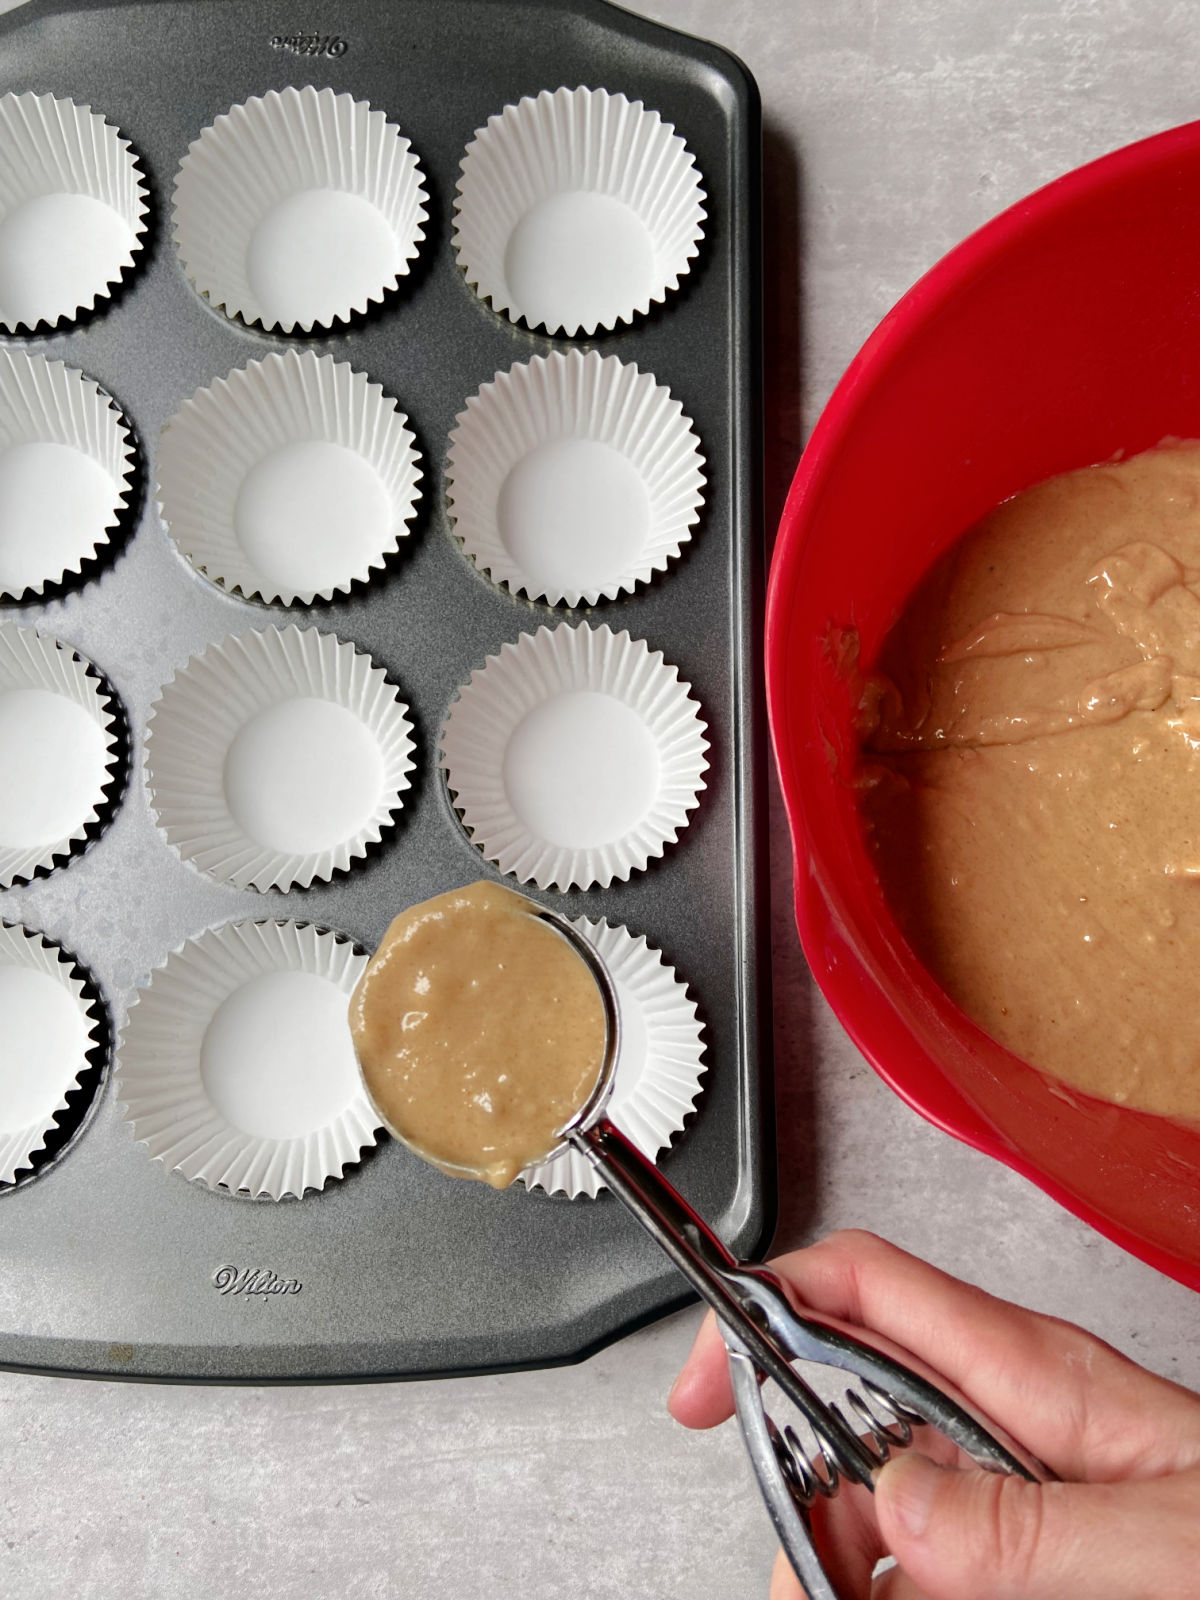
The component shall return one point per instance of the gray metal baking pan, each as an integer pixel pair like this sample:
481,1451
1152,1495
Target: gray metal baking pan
110,1265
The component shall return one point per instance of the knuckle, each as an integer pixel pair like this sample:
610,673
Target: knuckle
1014,1528
856,1242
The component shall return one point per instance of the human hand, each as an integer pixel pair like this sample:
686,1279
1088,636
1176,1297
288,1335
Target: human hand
1124,1524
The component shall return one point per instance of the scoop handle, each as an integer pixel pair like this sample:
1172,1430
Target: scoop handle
758,1319
715,1274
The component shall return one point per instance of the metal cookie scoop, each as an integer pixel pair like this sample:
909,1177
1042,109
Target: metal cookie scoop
764,1334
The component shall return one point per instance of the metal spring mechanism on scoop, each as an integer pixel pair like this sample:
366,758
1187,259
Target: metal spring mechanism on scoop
764,1335
813,1474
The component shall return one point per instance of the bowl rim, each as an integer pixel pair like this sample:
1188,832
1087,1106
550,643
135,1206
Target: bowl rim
841,979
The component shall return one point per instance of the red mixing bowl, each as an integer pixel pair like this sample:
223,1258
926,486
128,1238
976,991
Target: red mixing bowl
1065,331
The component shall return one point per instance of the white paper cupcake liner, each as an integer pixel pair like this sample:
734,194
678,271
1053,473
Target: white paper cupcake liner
276,758
66,459
237,1067
46,1032
288,480
58,755
574,478
659,1067
574,756
297,210
72,210
576,210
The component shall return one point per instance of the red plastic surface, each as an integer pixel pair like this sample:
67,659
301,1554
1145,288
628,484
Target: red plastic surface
1065,331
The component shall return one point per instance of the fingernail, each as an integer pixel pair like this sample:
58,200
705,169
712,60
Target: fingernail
909,1484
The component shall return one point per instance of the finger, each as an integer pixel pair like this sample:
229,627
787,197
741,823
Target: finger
848,1543
895,1584
983,1536
846,1530
785,1585
1074,1401
847,1539
702,1394
891,1585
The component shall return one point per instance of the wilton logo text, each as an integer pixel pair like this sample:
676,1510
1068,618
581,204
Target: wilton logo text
311,44
253,1281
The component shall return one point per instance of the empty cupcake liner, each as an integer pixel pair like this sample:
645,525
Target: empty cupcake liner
298,209
574,756
46,1031
72,210
659,1067
574,478
237,1068
66,459
276,758
576,209
288,480
58,755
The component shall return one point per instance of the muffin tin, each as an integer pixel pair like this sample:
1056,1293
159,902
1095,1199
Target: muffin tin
113,1265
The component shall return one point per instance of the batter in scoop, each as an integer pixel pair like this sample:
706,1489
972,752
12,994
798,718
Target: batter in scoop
479,1030
1031,777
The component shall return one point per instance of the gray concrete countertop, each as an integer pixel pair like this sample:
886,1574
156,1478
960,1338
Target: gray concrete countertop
893,127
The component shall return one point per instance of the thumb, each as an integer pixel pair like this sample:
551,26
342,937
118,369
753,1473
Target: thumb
979,1535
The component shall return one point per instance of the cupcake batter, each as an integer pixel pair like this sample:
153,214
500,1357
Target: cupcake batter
479,1031
1031,777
